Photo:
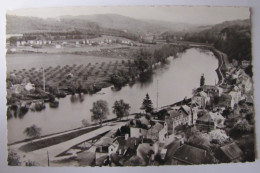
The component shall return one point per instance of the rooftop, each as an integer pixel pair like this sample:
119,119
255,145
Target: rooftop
232,151
190,154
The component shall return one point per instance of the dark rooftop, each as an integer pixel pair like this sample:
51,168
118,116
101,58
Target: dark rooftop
232,151
190,155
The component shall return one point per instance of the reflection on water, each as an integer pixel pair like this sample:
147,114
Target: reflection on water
176,79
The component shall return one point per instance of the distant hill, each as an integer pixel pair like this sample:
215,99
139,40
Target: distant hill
174,26
120,22
99,22
19,24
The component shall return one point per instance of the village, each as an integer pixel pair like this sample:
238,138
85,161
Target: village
211,127
115,90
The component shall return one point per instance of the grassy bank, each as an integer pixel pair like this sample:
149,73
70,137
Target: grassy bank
54,140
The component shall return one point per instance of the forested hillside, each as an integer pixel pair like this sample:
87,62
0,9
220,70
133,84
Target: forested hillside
232,37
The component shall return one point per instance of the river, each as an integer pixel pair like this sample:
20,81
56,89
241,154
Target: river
176,79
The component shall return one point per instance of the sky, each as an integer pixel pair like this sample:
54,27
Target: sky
200,15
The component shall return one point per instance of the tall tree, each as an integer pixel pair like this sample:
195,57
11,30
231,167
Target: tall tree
147,104
33,131
121,109
99,111
202,80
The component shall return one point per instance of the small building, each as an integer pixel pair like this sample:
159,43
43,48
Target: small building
138,132
218,119
231,152
201,98
57,46
139,127
211,90
185,115
29,86
18,43
205,122
158,132
101,151
190,155
236,96
163,153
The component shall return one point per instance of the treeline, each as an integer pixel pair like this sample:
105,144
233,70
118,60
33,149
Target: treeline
234,40
144,59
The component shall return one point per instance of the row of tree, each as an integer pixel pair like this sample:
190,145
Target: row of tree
99,112
144,59
100,109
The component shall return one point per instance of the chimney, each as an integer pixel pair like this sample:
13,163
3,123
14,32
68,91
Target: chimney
100,149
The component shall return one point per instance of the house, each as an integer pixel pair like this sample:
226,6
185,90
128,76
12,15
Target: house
29,86
18,43
147,149
57,46
17,88
236,96
190,155
101,151
201,98
158,132
205,122
139,127
23,43
163,153
118,146
211,90
231,153
183,116
138,132
218,119
123,148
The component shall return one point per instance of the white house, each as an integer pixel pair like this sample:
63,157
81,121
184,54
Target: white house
18,43
29,87
138,132
58,46
236,96
218,119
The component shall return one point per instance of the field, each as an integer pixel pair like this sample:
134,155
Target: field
95,73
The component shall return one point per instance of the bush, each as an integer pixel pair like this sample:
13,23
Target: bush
13,159
85,123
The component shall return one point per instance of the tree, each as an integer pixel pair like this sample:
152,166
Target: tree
85,123
121,109
147,104
99,111
33,131
13,159
202,80
218,136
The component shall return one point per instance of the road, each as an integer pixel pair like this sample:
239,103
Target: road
222,56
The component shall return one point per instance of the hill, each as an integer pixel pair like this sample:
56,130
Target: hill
119,22
94,23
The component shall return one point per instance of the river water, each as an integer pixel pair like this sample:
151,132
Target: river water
176,79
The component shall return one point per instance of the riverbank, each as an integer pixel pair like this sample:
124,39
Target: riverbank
72,113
